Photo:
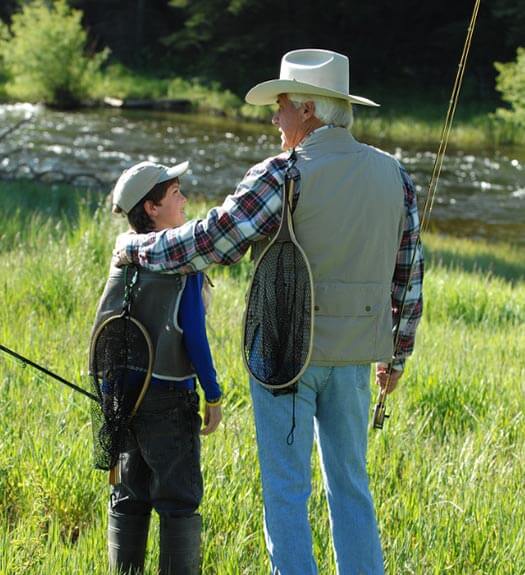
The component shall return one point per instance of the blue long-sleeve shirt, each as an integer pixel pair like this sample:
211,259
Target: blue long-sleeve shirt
192,321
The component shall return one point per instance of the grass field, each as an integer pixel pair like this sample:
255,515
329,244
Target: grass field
446,472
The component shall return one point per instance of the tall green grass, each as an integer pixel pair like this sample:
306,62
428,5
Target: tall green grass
446,472
478,132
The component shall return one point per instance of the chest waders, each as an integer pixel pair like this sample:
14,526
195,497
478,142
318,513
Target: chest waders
179,543
156,301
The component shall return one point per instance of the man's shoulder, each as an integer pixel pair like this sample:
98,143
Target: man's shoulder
382,155
270,171
272,164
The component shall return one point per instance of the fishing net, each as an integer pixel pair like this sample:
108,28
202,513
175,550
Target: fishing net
121,362
279,321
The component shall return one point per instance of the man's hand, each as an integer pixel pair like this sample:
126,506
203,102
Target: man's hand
382,379
212,418
120,259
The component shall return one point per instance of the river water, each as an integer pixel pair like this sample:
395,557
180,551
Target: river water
481,193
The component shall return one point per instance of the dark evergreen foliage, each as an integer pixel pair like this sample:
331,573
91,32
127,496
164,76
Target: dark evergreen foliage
238,42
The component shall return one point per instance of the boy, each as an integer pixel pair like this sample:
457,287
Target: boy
160,462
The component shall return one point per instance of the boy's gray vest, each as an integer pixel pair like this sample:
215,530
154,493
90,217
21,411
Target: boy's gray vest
349,220
156,299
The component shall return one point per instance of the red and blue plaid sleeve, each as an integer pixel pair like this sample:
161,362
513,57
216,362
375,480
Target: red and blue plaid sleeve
408,276
250,214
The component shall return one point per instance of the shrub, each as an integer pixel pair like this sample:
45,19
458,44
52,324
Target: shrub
44,55
120,82
511,83
207,98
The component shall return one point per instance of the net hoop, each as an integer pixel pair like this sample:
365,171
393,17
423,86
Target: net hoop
286,224
125,315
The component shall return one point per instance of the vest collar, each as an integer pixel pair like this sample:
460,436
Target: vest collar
331,135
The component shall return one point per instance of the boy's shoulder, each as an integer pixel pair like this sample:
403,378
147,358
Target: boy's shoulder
194,281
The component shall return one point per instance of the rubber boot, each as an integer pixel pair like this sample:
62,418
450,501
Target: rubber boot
127,536
180,542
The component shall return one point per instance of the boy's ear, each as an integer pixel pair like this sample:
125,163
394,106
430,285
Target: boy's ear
150,208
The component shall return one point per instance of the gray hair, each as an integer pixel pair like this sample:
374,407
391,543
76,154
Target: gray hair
329,110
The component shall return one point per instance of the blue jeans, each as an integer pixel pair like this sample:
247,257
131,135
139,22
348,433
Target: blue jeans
332,403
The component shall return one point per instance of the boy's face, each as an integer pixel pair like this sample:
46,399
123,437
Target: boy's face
169,213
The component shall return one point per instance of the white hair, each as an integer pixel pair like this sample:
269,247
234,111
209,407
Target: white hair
329,110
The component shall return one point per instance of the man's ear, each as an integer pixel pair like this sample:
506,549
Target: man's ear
308,110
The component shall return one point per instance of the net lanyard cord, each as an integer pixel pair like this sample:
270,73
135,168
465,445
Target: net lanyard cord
288,194
129,284
438,164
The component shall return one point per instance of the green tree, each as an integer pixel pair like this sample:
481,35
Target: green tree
511,83
3,36
511,13
44,55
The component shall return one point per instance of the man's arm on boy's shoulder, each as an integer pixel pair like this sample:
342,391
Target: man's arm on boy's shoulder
223,237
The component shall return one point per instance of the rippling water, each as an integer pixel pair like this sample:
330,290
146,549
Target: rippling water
480,193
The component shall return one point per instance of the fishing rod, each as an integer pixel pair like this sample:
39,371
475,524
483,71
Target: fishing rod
26,361
380,408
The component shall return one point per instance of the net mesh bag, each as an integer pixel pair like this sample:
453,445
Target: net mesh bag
120,366
278,320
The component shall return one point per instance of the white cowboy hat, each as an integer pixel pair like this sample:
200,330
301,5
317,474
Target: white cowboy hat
311,71
137,181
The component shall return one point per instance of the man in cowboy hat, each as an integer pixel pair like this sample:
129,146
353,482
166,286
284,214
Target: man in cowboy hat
355,216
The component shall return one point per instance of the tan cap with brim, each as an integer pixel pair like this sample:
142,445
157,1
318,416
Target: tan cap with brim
137,181
311,71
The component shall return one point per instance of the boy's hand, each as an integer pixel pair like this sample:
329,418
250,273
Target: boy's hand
212,418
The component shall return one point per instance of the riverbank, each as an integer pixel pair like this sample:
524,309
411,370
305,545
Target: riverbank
407,115
441,470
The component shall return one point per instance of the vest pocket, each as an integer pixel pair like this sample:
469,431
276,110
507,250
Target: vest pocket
348,319
339,299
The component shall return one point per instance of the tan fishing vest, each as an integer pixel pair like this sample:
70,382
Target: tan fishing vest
349,220
156,300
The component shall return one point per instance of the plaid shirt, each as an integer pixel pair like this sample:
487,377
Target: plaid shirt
252,213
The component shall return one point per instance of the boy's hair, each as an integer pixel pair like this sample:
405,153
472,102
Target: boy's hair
137,217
